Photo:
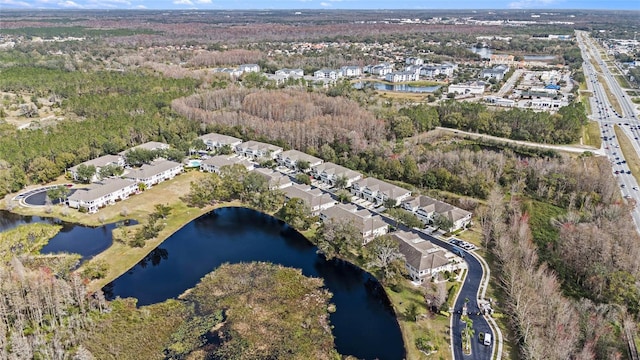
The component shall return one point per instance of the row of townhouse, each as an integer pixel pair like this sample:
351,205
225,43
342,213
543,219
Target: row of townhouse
215,141
381,69
369,224
254,150
426,208
108,191
370,189
237,72
113,160
402,76
423,259
334,74
378,191
214,163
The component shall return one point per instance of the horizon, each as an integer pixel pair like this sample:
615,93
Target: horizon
261,5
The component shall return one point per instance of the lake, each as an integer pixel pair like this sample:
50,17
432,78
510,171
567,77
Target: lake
72,238
396,87
364,324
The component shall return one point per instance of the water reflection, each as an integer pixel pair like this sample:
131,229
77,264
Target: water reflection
364,324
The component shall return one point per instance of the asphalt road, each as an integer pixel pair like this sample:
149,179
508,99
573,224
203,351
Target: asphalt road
607,117
469,291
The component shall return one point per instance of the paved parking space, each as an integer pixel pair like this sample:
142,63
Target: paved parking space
462,244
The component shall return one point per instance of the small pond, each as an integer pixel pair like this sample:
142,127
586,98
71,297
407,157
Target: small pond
364,323
72,238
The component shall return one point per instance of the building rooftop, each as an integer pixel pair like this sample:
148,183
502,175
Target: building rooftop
100,189
100,161
149,170
219,138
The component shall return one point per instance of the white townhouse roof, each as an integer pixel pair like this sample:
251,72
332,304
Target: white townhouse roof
100,161
390,190
100,189
149,170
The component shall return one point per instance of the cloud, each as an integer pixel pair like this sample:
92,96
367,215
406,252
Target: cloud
14,3
70,4
325,4
203,1
531,4
140,7
183,2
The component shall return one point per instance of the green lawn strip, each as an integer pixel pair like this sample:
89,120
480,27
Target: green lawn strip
630,154
591,134
433,327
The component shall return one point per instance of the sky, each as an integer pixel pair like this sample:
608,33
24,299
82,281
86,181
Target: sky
321,4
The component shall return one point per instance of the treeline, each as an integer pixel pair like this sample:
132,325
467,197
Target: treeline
561,128
547,325
118,110
299,119
230,57
44,316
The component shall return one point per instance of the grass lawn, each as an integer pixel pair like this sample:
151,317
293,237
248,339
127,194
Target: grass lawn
591,134
622,81
413,97
629,152
584,99
431,326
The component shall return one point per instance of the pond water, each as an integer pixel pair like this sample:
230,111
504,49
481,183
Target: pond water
72,238
364,322
539,57
396,87
484,53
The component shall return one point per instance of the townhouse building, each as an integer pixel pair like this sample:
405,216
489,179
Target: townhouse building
425,208
155,173
329,173
423,259
98,163
101,194
291,158
256,150
316,199
378,191
215,141
368,224
214,163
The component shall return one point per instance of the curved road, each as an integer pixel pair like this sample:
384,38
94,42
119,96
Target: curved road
469,291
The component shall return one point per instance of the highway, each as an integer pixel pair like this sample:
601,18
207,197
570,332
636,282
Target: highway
607,117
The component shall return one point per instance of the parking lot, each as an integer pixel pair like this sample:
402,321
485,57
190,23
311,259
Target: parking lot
462,244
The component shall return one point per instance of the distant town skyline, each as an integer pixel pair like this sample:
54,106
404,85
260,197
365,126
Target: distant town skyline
321,4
